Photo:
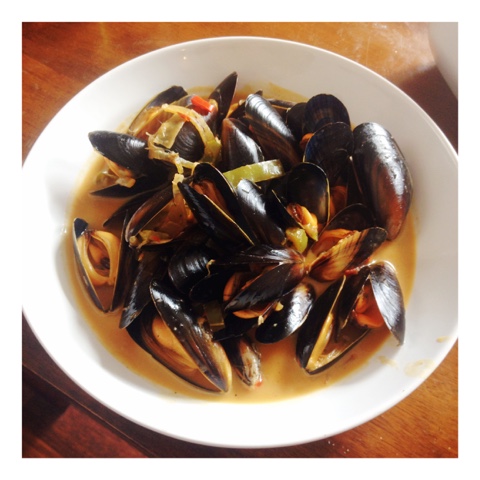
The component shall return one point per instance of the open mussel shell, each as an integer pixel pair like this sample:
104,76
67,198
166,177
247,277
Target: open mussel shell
188,142
150,264
129,206
80,228
245,359
299,203
147,211
386,301
389,298
160,219
383,176
223,94
308,185
333,326
318,346
209,180
267,287
126,267
349,252
183,341
101,255
215,207
284,321
275,279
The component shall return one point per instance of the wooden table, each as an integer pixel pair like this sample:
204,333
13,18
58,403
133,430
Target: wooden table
59,59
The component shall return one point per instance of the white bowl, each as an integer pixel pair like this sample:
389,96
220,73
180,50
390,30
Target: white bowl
59,157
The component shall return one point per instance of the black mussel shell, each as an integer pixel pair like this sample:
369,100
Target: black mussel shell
143,186
353,217
223,94
113,296
331,147
269,286
383,176
148,210
234,327
150,264
319,346
210,288
349,253
147,120
128,206
260,256
308,185
282,323
271,131
188,142
196,338
130,153
294,119
215,207
331,328
318,328
126,268
245,359
254,205
238,146
188,265
389,297
322,109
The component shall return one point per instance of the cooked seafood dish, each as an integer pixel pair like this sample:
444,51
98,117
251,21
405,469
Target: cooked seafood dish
241,221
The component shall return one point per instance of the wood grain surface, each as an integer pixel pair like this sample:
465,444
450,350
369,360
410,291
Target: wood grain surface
62,421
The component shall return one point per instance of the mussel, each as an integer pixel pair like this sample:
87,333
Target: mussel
347,311
383,176
245,359
238,146
271,131
331,147
342,250
189,265
189,127
148,120
215,207
322,109
272,273
130,170
288,318
104,262
149,265
182,340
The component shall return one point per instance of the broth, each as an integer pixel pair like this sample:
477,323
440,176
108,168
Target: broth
282,376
